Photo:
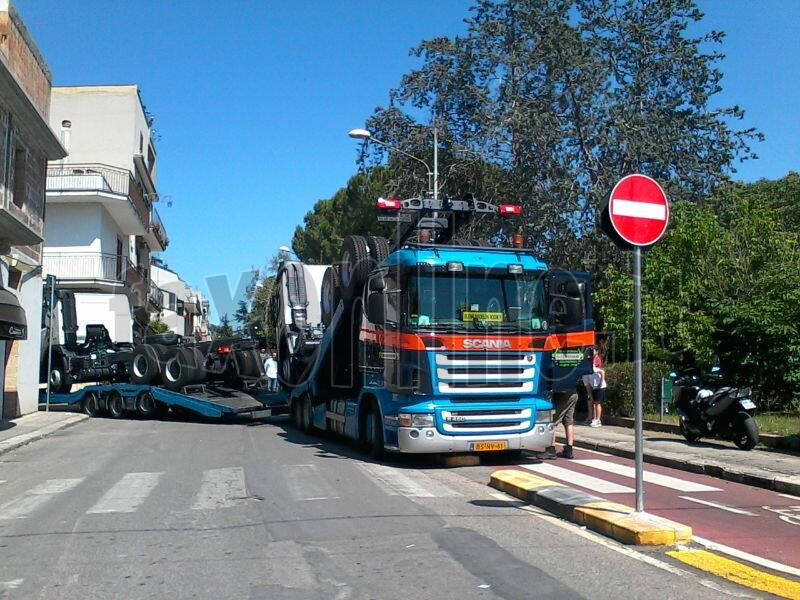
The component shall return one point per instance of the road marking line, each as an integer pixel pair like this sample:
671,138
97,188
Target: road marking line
756,560
12,584
586,481
641,210
127,494
305,482
730,509
738,573
587,534
396,483
590,451
221,488
680,485
21,507
790,497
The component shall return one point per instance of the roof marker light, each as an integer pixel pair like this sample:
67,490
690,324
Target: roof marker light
389,204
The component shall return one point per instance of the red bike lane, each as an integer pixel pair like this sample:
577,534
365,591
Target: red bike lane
759,522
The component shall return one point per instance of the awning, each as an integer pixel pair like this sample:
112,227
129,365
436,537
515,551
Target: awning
13,325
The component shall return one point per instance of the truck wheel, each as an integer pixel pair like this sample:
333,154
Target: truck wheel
248,363
378,249
146,405
297,420
306,415
355,265
90,405
144,367
115,404
60,379
331,295
179,370
373,432
745,431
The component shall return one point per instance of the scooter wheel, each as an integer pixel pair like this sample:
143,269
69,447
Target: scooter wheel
689,435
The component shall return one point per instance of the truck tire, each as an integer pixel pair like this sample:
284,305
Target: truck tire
374,433
90,404
248,363
144,367
355,265
331,295
378,249
180,369
59,377
115,404
306,414
146,405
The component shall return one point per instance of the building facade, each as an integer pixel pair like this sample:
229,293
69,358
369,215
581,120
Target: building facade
102,223
26,144
185,310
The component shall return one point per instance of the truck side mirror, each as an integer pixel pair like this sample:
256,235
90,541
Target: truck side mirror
376,308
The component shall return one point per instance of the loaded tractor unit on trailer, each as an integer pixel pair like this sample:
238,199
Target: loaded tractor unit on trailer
211,378
431,344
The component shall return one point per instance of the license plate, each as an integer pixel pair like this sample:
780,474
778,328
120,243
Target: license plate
493,446
747,404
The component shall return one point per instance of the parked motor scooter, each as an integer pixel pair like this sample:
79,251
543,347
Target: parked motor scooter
708,408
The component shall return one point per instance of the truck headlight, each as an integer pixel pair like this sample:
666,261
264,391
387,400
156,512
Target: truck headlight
544,416
415,420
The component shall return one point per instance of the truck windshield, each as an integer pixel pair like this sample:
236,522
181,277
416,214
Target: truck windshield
477,301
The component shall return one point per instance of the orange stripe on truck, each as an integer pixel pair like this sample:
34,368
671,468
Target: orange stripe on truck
460,342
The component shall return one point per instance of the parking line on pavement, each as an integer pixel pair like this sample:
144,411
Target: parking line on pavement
751,558
731,509
585,481
305,482
396,483
674,483
127,494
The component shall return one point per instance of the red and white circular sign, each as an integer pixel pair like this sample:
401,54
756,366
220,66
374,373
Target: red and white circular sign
638,210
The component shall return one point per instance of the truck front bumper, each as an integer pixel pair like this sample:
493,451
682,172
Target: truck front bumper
428,440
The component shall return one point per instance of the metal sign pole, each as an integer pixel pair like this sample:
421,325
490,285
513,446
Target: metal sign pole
637,381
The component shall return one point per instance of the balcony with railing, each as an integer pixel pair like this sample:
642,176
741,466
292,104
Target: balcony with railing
99,272
112,187
156,233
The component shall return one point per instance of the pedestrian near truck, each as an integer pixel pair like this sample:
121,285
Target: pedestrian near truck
564,409
271,367
598,393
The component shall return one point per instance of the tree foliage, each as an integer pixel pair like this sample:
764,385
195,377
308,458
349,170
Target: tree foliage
351,210
221,330
559,99
156,325
724,283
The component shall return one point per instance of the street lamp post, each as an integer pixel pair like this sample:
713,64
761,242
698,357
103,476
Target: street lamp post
364,134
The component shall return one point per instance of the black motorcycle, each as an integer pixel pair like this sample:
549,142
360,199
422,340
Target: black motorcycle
708,408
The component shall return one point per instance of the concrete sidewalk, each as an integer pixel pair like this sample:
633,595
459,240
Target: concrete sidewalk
34,426
779,471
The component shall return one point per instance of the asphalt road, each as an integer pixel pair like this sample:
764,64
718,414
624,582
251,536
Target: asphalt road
157,509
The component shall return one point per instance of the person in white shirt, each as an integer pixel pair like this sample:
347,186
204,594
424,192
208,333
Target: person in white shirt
271,367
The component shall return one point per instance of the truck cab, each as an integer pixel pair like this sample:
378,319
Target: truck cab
444,348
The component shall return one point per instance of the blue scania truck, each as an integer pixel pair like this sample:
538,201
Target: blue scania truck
430,343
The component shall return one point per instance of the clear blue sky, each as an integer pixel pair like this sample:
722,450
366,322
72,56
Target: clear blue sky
253,100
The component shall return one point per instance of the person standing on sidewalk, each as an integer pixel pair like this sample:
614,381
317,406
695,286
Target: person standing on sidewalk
564,407
599,386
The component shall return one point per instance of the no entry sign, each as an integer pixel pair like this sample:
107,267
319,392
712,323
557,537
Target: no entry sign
638,210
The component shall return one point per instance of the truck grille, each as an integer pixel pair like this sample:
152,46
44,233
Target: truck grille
482,372
478,421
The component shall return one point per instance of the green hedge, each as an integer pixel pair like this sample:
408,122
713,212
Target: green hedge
619,395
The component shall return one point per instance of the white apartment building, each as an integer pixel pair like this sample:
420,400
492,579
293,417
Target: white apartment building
26,144
185,310
102,224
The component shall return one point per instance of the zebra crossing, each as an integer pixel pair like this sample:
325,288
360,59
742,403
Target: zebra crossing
596,483
223,488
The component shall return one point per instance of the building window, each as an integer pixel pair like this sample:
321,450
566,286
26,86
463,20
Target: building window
20,175
141,143
151,159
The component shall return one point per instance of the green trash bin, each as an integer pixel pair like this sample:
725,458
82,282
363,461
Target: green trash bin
666,395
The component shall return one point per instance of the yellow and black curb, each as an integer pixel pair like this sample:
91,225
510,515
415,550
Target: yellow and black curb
616,521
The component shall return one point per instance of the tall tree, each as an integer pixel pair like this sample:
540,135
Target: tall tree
563,97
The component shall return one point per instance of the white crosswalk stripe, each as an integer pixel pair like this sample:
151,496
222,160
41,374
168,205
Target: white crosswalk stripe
127,494
221,488
595,484
305,482
24,505
396,482
681,485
